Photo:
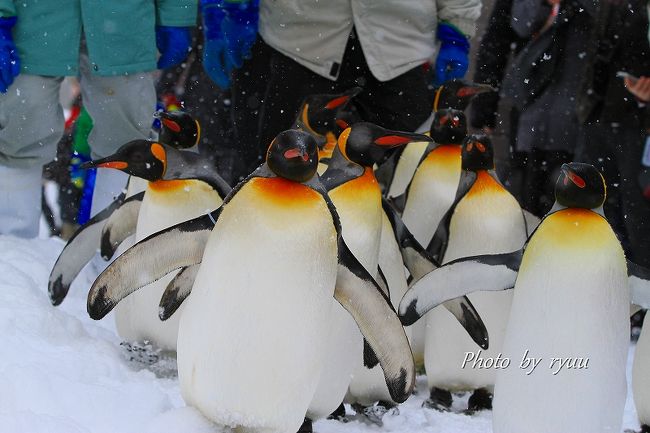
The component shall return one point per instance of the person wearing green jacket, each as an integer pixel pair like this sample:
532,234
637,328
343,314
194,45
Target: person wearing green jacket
112,47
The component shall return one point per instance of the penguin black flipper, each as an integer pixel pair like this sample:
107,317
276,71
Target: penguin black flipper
458,278
438,245
149,260
369,357
177,290
79,250
360,295
639,283
416,259
419,263
381,281
120,225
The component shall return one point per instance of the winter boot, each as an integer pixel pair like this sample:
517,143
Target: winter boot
109,183
20,198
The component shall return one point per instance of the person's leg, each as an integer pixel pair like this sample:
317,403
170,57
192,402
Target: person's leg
628,145
596,147
288,85
31,124
122,110
247,96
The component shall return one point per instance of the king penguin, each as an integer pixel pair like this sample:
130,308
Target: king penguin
180,187
456,94
252,336
484,219
322,115
117,222
569,310
352,186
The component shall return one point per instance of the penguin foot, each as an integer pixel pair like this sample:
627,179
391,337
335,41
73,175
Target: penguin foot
439,399
376,412
306,426
339,414
142,354
481,399
645,428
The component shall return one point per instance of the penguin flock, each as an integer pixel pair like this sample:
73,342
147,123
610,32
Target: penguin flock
318,281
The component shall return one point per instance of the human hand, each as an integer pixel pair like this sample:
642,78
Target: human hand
452,61
173,44
9,61
230,29
639,88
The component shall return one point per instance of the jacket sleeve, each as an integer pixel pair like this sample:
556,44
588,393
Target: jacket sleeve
176,13
528,16
461,13
7,8
491,60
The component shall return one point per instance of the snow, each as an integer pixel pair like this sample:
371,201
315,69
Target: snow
60,371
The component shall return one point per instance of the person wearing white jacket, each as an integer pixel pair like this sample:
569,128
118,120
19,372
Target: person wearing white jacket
311,46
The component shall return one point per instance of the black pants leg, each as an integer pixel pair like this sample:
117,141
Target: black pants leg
616,152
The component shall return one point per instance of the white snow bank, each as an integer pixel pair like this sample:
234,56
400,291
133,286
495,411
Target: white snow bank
60,371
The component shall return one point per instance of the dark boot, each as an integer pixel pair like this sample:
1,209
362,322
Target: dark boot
306,427
481,399
439,399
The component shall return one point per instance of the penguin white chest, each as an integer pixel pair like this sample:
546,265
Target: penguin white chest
165,203
641,375
570,310
487,220
251,338
432,192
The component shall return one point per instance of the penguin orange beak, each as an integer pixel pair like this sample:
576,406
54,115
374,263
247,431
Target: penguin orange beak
474,89
105,163
395,140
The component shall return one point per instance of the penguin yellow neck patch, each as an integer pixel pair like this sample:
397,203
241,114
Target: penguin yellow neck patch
283,192
361,189
484,184
168,185
447,155
575,227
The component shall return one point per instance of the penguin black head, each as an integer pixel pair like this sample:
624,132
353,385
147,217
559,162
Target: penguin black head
320,114
366,144
140,158
477,153
580,185
178,129
449,126
458,93
293,155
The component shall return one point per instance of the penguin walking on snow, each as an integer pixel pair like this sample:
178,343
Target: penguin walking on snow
352,186
570,310
181,186
252,338
484,219
113,225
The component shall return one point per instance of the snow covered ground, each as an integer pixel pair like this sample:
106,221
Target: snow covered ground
60,371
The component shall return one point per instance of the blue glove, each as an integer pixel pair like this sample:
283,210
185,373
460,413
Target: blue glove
173,43
230,29
9,61
452,60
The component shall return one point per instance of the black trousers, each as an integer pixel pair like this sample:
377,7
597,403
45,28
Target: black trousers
269,88
616,152
540,171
